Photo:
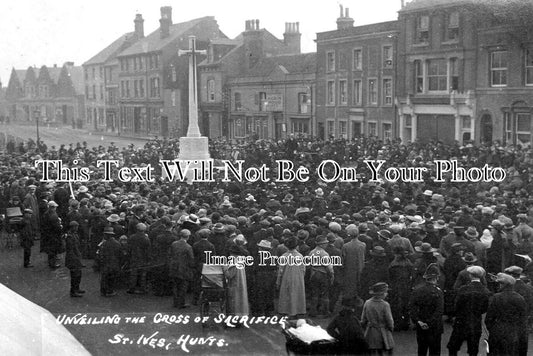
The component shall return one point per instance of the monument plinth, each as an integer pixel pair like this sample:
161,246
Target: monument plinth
194,146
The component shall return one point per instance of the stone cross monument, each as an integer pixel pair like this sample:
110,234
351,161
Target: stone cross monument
194,146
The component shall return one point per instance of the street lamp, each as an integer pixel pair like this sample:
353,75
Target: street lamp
37,113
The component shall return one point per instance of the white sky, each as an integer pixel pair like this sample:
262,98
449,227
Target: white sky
44,32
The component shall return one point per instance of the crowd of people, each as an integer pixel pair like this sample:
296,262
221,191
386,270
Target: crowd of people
412,254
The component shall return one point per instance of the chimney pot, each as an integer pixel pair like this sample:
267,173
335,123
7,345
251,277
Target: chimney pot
257,24
298,27
139,26
165,21
342,11
347,12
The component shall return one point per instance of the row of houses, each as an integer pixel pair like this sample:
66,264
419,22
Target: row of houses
449,70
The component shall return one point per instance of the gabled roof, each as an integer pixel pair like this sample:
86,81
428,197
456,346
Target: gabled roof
21,74
429,4
77,77
288,64
112,50
153,42
54,73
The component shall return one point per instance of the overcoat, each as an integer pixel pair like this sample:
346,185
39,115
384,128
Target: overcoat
378,324
292,287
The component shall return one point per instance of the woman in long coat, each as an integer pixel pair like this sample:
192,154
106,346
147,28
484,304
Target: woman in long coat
291,283
237,288
377,321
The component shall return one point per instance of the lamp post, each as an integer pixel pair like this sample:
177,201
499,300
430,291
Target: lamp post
37,113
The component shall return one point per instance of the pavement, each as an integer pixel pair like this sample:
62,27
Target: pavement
154,327
64,135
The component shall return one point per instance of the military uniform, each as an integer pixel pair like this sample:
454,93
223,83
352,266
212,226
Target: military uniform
427,305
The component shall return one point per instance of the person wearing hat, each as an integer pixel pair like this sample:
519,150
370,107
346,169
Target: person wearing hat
377,321
62,197
199,250
31,201
27,236
375,270
262,301
290,282
136,218
451,268
140,253
427,306
73,259
336,287
400,275
524,235
164,237
181,267
353,257
51,240
347,329
110,255
522,288
218,239
321,278
496,254
399,241
471,303
506,319
464,277
237,293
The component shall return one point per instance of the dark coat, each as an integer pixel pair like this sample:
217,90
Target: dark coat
139,250
376,270
471,302
181,260
72,253
110,252
51,230
218,239
199,249
27,233
526,291
506,323
161,245
427,305
347,329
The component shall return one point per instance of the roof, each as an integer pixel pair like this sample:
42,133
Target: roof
430,4
77,77
110,51
21,74
153,42
54,73
370,29
226,41
289,64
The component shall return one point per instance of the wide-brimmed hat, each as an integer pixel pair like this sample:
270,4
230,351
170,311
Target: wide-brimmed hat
265,244
113,218
109,230
471,232
469,257
432,271
218,227
378,251
73,223
385,234
83,189
28,211
379,288
52,203
425,248
439,224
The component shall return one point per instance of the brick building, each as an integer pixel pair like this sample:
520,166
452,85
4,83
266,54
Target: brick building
465,71
150,101
101,81
55,95
250,86
355,79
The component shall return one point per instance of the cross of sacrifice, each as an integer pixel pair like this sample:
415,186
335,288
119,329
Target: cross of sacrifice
193,130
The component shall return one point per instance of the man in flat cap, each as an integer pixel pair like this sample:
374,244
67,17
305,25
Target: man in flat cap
73,259
110,255
27,236
506,319
140,252
522,288
51,234
471,303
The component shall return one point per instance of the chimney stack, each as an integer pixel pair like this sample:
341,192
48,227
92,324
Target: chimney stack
165,21
345,21
251,25
253,44
139,26
292,37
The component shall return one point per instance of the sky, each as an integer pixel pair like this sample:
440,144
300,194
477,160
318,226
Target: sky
48,32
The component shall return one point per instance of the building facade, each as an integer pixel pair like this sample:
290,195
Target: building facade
465,71
148,97
53,95
355,80
101,81
247,84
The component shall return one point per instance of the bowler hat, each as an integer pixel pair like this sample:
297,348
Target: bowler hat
109,230
425,248
378,251
469,257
